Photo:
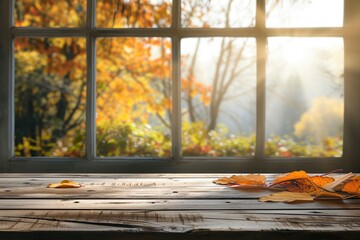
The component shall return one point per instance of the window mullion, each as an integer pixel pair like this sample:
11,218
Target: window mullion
261,85
90,80
176,88
7,85
352,85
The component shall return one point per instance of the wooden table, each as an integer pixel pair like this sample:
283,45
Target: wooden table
161,206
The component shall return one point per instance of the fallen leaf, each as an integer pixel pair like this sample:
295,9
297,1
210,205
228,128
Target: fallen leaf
287,197
329,195
337,181
289,177
243,180
64,184
353,186
223,181
313,184
301,185
321,181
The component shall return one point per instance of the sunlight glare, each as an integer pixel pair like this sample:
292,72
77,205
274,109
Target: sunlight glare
294,54
305,13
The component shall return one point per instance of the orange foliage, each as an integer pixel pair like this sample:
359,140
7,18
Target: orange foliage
133,74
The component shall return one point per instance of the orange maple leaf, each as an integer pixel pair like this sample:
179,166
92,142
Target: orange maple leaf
301,185
321,181
290,177
313,184
352,186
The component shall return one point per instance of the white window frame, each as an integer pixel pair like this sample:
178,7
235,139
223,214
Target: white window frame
350,161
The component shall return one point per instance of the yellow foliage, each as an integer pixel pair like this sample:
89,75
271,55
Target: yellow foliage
323,119
37,60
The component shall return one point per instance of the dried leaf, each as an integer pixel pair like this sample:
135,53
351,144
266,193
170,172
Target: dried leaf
223,181
243,180
64,184
329,195
287,197
301,185
338,181
321,181
290,176
353,186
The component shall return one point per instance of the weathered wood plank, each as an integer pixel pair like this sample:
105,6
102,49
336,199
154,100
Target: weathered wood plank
133,182
161,206
124,182
124,188
129,192
120,175
127,188
196,235
171,204
180,221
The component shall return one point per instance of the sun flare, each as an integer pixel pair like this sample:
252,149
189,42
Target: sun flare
294,54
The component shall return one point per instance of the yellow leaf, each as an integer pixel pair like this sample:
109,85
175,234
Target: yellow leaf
287,197
223,181
64,184
328,195
243,180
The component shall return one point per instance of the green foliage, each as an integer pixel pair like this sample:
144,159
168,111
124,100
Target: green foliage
288,146
198,142
132,140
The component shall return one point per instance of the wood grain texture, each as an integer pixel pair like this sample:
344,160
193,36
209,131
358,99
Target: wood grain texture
171,204
164,206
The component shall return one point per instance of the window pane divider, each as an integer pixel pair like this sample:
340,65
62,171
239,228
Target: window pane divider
176,85
7,85
260,85
167,32
305,32
182,32
48,32
90,142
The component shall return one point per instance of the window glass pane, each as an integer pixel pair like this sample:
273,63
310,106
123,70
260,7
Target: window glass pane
133,13
218,96
305,103
304,13
50,87
50,13
218,14
133,97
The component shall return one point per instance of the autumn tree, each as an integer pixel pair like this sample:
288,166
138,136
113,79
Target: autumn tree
133,85
133,79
